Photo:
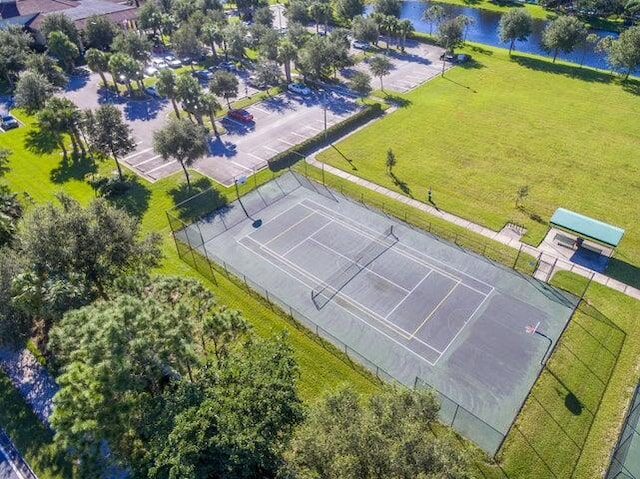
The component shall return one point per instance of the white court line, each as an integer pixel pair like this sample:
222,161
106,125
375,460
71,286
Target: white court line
463,326
433,311
311,286
289,228
375,316
309,237
299,203
146,161
136,154
13,466
410,293
360,228
160,167
356,263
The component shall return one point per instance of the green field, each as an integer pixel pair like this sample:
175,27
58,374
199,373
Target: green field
496,124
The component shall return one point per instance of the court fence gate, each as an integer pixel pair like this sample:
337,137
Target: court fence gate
184,217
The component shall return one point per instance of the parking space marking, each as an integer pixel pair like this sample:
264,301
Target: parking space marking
235,122
260,110
160,167
286,142
136,154
312,128
298,134
146,161
239,165
271,149
256,157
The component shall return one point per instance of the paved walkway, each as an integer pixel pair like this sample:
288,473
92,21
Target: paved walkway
551,262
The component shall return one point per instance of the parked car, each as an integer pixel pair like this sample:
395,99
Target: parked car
150,71
172,61
159,63
204,75
256,83
8,122
240,115
448,56
299,89
462,57
360,45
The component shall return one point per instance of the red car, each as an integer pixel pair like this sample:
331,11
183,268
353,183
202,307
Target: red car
241,115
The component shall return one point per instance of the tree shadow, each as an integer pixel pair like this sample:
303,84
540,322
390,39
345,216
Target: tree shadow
396,100
480,49
135,200
201,199
74,166
404,187
41,142
345,157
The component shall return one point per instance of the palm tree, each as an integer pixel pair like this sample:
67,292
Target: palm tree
98,62
211,104
70,119
287,53
433,14
390,26
50,123
210,34
166,86
405,27
182,141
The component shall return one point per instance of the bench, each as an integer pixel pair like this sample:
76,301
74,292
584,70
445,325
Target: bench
563,240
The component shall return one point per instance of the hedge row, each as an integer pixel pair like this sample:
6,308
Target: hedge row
288,157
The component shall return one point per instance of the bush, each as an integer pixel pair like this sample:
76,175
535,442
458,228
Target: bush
293,154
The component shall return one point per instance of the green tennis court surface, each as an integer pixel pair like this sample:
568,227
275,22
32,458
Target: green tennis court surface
625,462
420,308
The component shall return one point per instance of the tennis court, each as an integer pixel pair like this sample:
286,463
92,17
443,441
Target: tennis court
418,307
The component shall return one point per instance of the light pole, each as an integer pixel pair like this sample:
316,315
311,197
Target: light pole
324,107
242,180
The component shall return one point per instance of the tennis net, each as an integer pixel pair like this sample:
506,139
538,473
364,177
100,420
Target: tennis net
326,290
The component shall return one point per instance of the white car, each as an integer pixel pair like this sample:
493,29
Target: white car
360,45
299,89
150,71
172,61
159,63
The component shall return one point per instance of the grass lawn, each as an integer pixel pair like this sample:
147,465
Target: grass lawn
495,124
571,420
41,176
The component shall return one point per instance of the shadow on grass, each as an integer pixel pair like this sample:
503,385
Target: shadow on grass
76,168
41,142
577,376
135,200
623,271
396,100
201,199
631,85
345,157
404,187
32,438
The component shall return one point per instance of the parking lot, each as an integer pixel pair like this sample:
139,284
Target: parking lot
418,64
279,123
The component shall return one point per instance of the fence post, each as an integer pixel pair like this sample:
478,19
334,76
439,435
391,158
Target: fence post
515,263
455,414
587,286
323,183
553,266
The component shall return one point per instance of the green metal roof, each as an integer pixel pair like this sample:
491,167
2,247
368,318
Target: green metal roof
587,227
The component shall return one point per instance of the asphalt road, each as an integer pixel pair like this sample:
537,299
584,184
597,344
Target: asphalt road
12,464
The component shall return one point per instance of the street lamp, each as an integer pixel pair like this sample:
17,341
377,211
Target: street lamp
242,180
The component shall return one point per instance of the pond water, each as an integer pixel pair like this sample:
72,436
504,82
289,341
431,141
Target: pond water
485,30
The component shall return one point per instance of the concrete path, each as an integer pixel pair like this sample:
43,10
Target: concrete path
548,261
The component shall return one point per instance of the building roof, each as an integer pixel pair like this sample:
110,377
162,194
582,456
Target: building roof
588,227
21,21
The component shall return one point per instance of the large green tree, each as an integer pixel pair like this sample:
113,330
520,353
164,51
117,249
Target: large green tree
385,435
182,141
348,9
98,62
74,254
515,24
61,47
176,384
563,34
14,50
133,45
108,134
434,15
225,85
166,86
100,32
624,52
32,91
10,207
59,22
450,33
388,7
47,66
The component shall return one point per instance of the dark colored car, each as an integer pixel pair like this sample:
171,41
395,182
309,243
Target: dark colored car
7,122
241,115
